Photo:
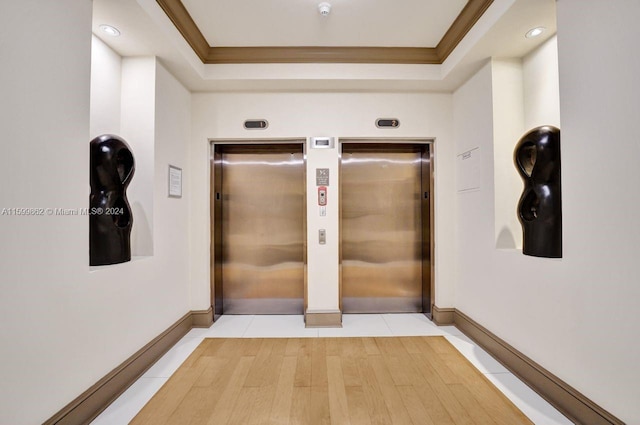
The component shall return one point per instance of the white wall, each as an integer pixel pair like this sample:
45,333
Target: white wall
599,106
508,126
106,86
173,135
301,115
541,86
573,315
138,122
64,326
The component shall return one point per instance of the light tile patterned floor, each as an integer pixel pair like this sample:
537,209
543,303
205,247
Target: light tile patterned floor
250,326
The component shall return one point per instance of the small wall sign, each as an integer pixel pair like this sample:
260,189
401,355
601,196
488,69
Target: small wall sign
387,123
322,177
256,124
322,142
175,182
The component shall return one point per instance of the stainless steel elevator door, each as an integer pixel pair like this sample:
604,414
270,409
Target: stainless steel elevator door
382,249
263,230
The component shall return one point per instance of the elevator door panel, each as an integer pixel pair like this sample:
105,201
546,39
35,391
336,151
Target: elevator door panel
263,231
381,231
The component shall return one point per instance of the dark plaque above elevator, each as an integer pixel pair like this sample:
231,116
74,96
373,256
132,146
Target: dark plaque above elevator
256,124
387,123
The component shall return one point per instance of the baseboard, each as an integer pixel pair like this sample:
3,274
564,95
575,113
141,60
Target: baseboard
323,319
93,401
202,318
573,404
442,316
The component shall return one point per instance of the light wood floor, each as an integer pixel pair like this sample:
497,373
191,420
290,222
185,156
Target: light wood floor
385,380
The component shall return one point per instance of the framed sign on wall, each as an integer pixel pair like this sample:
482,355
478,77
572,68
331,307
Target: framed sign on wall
175,182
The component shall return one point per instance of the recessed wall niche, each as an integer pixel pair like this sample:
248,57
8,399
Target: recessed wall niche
123,103
525,95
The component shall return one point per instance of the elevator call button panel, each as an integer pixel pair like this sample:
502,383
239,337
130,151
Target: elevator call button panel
322,196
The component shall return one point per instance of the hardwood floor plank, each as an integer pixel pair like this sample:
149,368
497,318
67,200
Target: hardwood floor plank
166,401
501,410
370,346
447,399
260,365
198,411
410,344
358,413
372,394
392,398
433,406
333,346
471,405
320,413
283,400
440,345
303,365
212,347
241,412
352,353
319,362
400,365
338,405
260,408
212,367
229,396
414,406
266,367
293,346
437,364
211,395
301,407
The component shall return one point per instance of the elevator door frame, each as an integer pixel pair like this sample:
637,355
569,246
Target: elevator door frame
428,298
215,212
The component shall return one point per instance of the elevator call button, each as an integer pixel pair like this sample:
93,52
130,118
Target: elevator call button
322,196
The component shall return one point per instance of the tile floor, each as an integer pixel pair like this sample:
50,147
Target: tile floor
132,400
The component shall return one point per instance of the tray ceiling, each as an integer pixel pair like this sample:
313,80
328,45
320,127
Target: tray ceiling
292,31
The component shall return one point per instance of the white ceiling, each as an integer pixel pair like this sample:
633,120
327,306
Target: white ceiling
146,30
376,23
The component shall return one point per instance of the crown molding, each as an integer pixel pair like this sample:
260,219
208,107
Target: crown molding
179,15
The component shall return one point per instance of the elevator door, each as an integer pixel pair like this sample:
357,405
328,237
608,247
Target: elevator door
262,229
385,228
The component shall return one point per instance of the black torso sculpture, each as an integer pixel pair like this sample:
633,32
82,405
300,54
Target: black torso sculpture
110,219
537,158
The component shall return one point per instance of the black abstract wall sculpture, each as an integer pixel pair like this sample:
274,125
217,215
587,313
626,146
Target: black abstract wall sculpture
537,158
110,220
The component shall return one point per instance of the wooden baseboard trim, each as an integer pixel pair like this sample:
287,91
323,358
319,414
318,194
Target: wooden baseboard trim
573,404
88,405
442,316
323,319
202,318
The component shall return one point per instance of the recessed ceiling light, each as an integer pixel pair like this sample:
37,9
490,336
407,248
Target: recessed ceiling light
534,32
108,29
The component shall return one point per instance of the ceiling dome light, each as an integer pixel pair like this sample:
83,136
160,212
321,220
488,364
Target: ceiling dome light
534,32
108,29
324,8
